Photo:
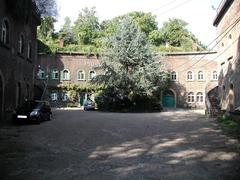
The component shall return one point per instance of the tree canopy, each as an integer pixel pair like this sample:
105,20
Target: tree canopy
88,35
131,70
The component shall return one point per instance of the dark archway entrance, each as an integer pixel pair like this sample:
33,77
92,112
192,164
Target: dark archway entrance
168,99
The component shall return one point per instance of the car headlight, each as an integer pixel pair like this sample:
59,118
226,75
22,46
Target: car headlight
34,113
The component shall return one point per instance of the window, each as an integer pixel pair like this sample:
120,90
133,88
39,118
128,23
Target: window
173,76
231,86
200,75
190,97
41,74
199,97
214,75
66,75
230,36
92,74
65,96
29,51
21,44
81,75
55,74
189,75
5,32
54,96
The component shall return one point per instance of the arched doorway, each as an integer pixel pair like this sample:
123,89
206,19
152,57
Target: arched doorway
168,99
1,98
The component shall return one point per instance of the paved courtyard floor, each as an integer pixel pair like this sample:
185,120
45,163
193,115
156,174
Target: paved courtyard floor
79,145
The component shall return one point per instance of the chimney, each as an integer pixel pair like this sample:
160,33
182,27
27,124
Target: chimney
61,43
194,46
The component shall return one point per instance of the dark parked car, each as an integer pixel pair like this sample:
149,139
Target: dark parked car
32,112
89,105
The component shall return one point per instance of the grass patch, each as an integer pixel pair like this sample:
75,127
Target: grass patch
230,123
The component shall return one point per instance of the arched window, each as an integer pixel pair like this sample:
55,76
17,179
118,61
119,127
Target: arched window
199,97
55,74
80,75
5,32
214,75
21,44
174,76
92,74
41,74
189,75
200,75
66,74
190,97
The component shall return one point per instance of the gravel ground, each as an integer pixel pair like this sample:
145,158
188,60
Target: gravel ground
80,145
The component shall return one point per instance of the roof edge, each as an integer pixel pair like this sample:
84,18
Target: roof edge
224,6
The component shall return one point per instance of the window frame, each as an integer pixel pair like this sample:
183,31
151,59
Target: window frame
63,75
54,96
174,74
214,75
43,74
79,78
53,74
192,75
199,97
190,97
95,74
5,32
201,76
21,44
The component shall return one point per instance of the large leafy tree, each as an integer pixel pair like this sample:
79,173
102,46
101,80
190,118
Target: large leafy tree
66,32
46,29
131,70
86,27
175,33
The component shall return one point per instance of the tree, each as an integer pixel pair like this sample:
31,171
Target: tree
175,33
66,32
47,7
46,29
131,70
86,26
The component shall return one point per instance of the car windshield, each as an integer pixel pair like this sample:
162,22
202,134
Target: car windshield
29,105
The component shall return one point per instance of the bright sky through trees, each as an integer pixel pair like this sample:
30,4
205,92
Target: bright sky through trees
198,13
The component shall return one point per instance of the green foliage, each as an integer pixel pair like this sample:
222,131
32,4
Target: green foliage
86,27
131,69
229,121
175,34
46,30
66,32
88,36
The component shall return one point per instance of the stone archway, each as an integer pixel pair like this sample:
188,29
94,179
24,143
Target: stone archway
168,99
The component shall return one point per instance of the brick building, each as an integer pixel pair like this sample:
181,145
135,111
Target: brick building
228,30
192,76
64,69
17,53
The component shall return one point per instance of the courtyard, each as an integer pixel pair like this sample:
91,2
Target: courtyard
78,145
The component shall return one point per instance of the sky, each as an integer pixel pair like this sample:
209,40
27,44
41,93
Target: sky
199,14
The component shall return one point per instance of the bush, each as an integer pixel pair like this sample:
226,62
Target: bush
109,100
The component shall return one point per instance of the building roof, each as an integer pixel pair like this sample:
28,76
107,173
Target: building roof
222,9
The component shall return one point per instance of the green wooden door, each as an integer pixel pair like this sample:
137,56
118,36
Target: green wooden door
168,99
